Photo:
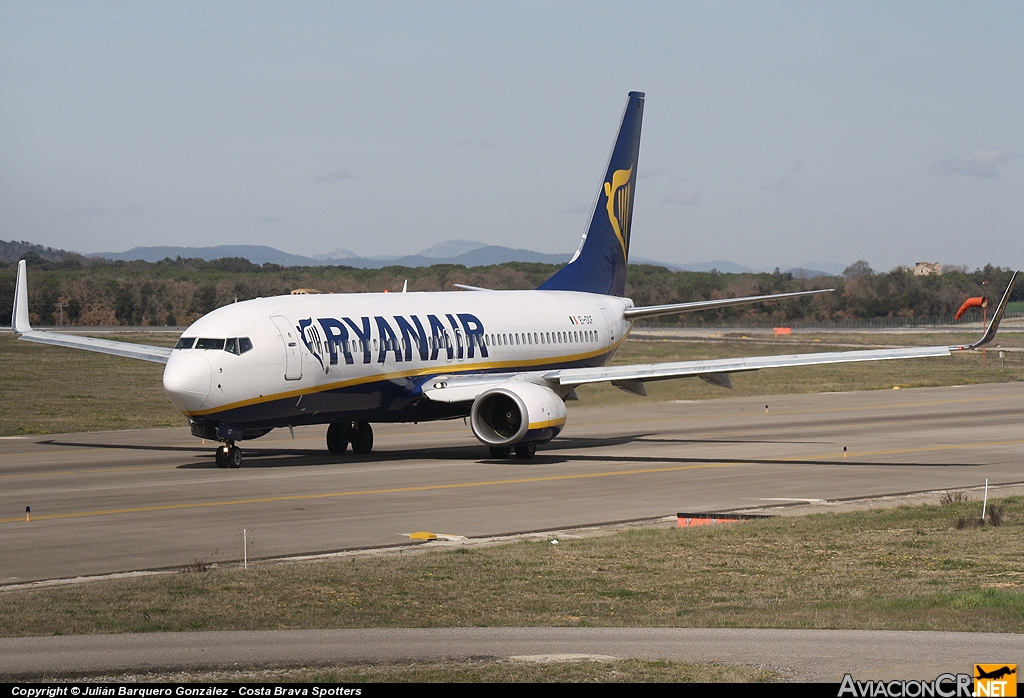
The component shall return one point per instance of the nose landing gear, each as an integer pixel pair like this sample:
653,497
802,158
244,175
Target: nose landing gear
228,455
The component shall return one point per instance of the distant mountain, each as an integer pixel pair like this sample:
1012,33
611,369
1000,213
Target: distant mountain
340,253
257,254
470,253
807,271
11,252
452,248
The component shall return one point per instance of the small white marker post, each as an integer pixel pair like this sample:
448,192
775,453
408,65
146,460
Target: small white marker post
984,503
245,551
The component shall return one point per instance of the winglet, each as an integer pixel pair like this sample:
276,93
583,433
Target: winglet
19,317
997,316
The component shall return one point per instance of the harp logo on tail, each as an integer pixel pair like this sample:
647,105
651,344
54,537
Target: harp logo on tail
620,199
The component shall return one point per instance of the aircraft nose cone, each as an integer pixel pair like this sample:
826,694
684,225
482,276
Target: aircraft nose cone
187,379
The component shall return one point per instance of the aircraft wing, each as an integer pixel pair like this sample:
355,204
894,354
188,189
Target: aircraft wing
632,378
717,370
21,327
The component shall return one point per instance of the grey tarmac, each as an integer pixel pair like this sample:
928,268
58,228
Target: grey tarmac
800,655
121,501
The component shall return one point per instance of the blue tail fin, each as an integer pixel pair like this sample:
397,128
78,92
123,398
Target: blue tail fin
599,265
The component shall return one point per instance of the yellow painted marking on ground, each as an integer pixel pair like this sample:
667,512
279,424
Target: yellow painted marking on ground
390,490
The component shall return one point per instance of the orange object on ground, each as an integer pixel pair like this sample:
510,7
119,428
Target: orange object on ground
979,302
685,520
783,330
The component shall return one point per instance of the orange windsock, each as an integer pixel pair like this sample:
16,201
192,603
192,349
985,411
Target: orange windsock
979,302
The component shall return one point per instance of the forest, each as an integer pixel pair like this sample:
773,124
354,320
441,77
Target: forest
175,292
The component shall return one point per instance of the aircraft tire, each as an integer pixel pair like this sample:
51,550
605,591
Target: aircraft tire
361,437
500,451
221,458
337,437
525,451
235,457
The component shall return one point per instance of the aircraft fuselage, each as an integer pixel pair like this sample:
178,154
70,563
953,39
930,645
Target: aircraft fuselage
325,358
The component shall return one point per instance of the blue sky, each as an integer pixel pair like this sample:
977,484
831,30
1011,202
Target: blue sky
774,134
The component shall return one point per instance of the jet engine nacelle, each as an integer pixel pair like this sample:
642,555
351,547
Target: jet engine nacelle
517,412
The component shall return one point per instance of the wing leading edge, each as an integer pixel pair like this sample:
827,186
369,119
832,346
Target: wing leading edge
20,325
631,378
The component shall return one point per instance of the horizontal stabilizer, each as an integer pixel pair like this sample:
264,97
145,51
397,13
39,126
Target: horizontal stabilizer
694,306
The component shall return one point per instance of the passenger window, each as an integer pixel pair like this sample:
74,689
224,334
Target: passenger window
185,343
204,343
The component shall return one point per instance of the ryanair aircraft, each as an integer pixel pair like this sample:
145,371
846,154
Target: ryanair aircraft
509,360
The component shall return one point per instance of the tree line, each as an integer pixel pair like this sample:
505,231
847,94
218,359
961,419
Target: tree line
176,292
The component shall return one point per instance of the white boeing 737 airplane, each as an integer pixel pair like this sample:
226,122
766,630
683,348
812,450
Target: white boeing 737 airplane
507,359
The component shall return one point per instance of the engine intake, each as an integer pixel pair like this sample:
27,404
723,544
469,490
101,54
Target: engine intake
517,412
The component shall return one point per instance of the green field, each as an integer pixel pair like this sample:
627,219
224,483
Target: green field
910,568
47,390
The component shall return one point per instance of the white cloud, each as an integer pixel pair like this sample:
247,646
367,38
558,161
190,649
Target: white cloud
980,163
779,184
335,176
684,198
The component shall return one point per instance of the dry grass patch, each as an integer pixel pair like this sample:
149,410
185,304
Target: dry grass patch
904,568
53,390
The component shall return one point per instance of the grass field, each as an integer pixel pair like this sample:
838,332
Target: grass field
46,390
902,568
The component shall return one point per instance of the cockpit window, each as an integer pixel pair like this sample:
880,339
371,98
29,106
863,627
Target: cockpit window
185,343
204,343
238,345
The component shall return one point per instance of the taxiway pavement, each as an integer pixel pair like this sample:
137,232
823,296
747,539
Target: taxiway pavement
121,501
799,655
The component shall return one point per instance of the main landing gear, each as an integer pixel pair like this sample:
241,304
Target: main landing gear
341,434
523,451
228,455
